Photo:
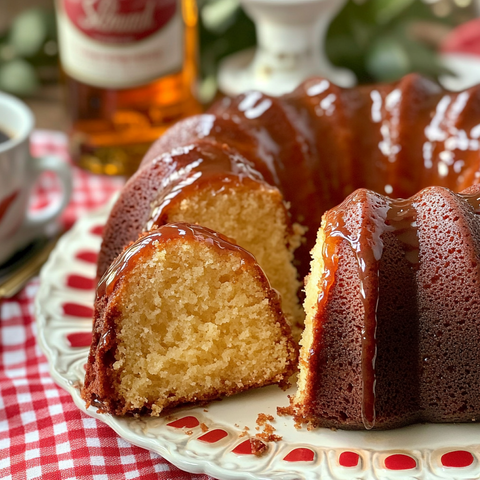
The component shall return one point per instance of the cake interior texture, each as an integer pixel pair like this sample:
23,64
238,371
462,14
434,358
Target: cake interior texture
192,327
256,219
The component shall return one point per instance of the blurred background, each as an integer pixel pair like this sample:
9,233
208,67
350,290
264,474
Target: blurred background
379,40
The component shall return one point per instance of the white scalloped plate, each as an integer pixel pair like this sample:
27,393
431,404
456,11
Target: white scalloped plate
63,308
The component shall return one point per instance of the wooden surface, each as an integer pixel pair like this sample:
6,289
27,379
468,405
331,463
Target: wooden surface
49,109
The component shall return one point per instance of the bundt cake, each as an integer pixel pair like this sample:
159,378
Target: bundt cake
391,301
392,331
184,315
316,145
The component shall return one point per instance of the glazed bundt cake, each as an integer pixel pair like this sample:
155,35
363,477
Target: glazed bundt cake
393,313
184,315
316,145
380,349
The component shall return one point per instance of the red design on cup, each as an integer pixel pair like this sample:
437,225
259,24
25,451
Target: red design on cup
187,422
348,459
77,310
457,459
300,455
80,282
213,436
79,339
119,21
6,202
87,256
400,462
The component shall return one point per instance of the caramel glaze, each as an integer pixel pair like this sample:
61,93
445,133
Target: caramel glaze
322,142
196,167
146,244
384,215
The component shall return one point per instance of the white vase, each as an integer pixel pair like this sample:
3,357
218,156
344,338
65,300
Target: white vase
290,36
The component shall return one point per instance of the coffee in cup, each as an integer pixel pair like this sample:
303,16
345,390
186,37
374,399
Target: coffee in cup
3,136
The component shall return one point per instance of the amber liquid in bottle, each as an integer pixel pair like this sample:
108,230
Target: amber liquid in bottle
112,128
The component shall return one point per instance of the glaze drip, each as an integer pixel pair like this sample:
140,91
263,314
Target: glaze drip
402,221
378,216
473,200
367,246
193,167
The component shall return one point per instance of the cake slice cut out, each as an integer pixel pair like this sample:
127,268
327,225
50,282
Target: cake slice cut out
183,316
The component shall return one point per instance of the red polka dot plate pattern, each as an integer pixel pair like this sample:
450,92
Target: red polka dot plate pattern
223,438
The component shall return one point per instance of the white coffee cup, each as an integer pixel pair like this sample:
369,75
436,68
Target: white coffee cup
18,173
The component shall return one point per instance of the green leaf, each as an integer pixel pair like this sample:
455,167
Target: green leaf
29,31
388,60
386,10
214,45
218,16
18,77
373,40
7,52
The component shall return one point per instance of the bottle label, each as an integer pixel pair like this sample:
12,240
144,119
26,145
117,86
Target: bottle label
120,43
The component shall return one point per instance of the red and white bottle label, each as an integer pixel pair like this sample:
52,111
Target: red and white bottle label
120,43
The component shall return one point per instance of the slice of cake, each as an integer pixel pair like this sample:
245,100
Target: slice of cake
183,315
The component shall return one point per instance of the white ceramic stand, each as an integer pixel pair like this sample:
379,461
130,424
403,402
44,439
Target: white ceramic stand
290,36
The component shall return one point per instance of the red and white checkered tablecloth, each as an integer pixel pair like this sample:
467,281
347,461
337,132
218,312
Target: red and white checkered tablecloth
42,433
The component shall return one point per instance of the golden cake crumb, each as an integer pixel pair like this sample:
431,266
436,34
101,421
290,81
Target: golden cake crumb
263,418
258,447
